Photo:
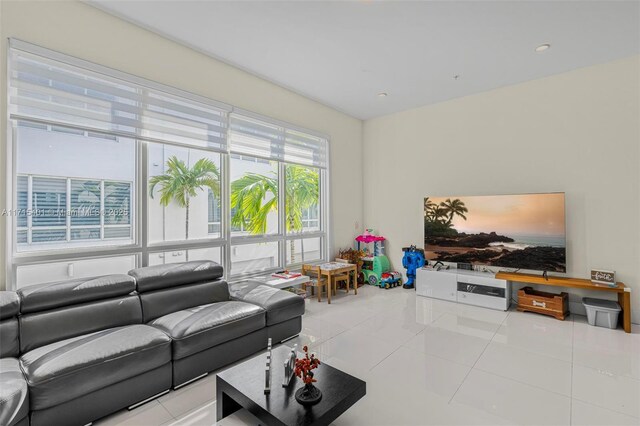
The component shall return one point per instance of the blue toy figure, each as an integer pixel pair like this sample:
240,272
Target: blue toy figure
412,260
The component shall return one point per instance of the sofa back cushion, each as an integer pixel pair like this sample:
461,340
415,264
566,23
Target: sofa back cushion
41,297
41,328
162,302
173,287
56,311
9,336
9,304
157,277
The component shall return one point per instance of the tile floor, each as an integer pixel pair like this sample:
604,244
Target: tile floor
429,362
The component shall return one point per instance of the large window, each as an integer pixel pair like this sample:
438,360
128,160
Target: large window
110,171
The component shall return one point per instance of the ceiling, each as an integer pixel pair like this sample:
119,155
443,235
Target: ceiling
343,54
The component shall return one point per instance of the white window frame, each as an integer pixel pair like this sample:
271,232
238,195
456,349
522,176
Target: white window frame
140,246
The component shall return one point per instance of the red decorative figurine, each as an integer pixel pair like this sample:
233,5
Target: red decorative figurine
309,394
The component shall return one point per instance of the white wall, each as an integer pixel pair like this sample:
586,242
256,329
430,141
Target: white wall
577,132
80,30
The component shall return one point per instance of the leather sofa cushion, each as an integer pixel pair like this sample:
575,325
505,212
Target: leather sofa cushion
280,305
41,328
67,369
9,340
167,300
174,274
14,398
202,327
46,296
9,304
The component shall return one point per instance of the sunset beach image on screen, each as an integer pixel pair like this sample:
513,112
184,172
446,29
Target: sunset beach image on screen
508,231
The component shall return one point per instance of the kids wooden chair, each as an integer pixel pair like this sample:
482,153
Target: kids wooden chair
317,281
340,278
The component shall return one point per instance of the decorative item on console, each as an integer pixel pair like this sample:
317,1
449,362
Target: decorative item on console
599,276
267,370
308,394
290,366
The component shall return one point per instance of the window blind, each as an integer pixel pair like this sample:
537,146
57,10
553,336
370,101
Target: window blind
265,139
70,92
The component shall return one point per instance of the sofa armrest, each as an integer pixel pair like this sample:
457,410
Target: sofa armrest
280,305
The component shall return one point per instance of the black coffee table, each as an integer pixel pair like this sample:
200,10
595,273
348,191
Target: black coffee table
242,386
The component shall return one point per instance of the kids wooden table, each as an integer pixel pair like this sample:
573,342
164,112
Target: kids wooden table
331,269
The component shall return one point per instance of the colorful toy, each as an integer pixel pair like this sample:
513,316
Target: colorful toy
391,279
368,238
376,269
412,260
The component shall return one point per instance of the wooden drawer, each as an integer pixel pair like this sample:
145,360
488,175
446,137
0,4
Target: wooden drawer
555,305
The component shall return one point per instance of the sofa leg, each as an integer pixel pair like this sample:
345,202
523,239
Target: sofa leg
144,401
190,381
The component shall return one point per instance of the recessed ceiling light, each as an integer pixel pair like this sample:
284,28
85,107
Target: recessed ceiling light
543,47
383,94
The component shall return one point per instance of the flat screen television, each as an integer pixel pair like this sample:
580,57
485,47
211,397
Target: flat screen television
524,231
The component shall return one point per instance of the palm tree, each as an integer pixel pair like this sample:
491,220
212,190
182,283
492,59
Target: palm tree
454,208
254,196
180,183
440,215
429,208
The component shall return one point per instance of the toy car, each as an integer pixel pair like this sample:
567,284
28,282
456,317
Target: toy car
390,279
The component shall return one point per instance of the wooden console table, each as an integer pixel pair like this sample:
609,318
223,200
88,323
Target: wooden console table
624,292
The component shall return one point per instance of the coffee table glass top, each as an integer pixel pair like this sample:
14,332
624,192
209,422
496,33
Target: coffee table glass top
243,385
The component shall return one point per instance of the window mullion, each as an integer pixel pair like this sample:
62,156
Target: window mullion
102,211
282,213
67,210
225,198
142,202
29,209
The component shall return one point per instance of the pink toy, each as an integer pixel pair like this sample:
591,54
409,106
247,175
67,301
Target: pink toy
368,238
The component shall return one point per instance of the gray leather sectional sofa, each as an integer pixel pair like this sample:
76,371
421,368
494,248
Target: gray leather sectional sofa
74,351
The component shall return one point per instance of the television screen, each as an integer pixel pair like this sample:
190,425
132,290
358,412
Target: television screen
509,231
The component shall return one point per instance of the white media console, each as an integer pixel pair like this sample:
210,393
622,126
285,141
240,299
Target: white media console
470,287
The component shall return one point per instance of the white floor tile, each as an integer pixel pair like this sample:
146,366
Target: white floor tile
190,397
206,416
481,314
537,333
533,369
601,388
316,330
347,314
451,345
466,325
609,350
583,414
150,414
513,401
390,328
419,310
357,348
413,373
